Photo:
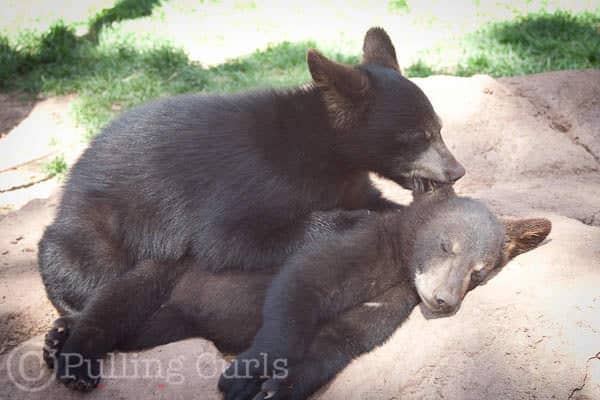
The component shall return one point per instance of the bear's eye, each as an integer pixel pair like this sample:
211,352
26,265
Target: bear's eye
413,134
477,277
447,247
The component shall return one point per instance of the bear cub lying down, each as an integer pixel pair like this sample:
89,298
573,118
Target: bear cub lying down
336,299
340,298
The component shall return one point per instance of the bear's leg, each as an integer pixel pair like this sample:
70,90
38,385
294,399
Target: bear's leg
339,341
166,325
314,286
117,310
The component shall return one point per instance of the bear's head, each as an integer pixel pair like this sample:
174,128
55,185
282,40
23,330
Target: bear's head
384,122
459,244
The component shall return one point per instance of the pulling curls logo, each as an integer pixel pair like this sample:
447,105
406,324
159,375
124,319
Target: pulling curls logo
27,370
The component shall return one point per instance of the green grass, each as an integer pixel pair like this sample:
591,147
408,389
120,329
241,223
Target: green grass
57,167
109,76
121,71
530,44
398,6
122,10
112,71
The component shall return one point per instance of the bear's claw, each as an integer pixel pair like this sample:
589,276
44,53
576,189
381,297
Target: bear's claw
55,340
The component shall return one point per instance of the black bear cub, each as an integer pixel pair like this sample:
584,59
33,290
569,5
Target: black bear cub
340,298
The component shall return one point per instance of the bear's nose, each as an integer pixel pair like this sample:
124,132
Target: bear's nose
445,302
456,172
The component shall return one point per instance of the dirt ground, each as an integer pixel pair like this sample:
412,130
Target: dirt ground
531,147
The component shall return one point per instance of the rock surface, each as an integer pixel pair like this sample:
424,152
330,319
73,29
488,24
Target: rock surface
531,146
34,133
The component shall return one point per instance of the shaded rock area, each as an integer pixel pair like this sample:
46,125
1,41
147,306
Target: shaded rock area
24,309
531,147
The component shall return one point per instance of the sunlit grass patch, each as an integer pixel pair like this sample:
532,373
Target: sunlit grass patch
57,167
530,44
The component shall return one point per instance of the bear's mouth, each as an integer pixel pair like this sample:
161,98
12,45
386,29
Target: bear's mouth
424,185
419,184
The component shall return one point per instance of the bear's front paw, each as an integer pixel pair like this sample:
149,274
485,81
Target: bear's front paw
274,389
55,340
243,378
77,372
61,353
239,388
293,383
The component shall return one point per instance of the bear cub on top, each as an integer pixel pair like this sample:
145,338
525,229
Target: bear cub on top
227,183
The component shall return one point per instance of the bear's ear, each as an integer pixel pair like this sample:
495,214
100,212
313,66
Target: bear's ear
345,89
523,235
378,49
